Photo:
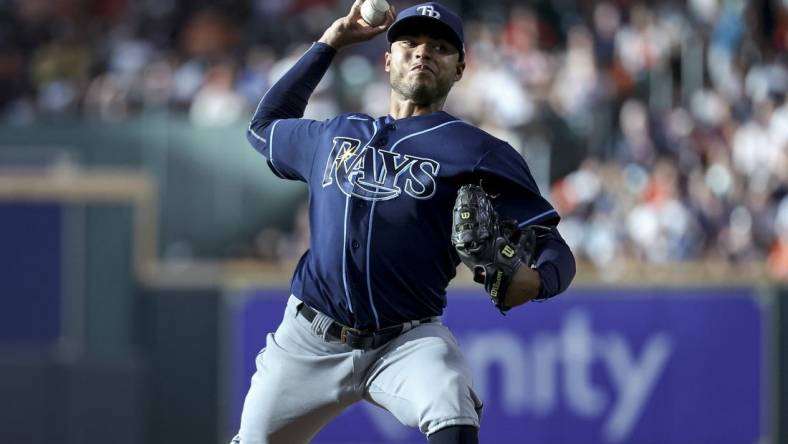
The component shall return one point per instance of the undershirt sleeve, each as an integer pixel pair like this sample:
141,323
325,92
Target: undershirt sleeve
277,129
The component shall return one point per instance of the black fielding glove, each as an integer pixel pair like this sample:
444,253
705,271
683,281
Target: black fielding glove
493,250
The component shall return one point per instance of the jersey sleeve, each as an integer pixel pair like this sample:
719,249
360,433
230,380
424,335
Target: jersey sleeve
289,145
506,177
278,130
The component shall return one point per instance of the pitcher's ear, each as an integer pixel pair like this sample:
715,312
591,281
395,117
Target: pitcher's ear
460,70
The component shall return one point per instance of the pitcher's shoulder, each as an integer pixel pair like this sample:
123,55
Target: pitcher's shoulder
354,117
468,129
466,132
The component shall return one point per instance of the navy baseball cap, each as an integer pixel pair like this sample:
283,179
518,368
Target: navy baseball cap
433,18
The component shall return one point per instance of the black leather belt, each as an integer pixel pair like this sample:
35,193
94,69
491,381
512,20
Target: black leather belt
358,339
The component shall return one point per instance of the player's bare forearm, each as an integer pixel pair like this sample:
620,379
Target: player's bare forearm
523,288
352,28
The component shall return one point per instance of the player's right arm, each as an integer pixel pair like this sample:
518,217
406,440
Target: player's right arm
277,129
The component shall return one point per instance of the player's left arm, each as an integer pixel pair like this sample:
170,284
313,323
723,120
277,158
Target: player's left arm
508,179
552,272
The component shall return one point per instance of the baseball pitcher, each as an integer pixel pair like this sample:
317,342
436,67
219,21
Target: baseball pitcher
396,203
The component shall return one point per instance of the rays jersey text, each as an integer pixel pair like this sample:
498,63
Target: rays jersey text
374,174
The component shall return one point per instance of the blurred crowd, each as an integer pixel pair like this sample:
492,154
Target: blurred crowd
660,129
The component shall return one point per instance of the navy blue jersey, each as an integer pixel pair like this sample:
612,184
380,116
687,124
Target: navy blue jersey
381,193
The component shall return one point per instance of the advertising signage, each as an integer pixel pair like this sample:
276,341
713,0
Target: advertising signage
601,366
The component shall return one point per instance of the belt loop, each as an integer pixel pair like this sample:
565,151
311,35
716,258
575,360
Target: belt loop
321,326
298,309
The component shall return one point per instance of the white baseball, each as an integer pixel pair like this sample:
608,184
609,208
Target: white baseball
374,11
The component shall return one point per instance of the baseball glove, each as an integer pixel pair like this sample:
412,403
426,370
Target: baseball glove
491,248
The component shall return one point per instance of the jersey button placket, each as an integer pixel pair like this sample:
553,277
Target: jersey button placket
355,244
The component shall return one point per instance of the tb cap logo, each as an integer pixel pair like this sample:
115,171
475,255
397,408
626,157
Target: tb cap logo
429,10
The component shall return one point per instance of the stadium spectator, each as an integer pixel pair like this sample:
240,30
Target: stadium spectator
667,128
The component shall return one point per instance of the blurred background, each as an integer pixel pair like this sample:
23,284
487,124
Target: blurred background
145,248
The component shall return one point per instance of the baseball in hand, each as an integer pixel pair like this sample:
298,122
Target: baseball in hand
374,11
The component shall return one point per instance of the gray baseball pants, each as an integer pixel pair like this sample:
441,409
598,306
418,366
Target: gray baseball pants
303,381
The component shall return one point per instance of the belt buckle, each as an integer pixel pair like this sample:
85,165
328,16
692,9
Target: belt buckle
356,339
345,330
343,335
